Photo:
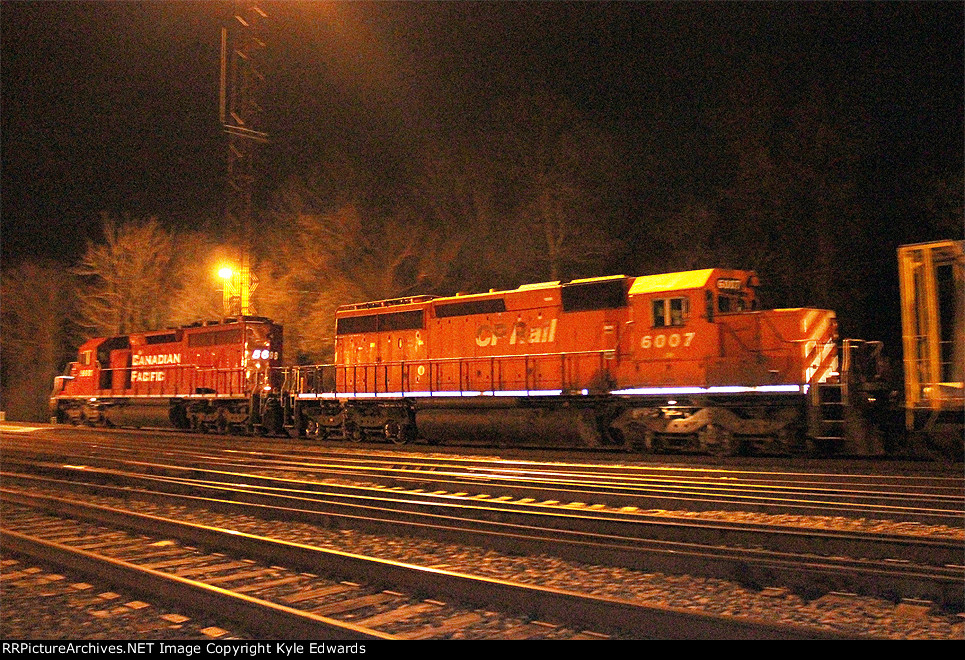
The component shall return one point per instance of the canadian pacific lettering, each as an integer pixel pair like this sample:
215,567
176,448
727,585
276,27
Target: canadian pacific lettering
147,376
152,360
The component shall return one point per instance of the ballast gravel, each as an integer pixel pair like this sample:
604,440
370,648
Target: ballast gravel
38,604
845,613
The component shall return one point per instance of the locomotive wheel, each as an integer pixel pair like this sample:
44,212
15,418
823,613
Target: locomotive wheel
614,437
651,443
819,447
399,434
393,433
786,442
354,433
717,441
273,423
321,432
179,417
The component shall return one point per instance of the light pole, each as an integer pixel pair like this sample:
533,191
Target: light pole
232,297
240,112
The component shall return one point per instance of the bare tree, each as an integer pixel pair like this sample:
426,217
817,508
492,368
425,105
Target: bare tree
944,207
35,336
127,282
332,258
789,205
564,173
196,288
459,199
688,238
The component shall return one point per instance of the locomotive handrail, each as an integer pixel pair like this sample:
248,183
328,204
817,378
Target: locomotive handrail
224,380
305,378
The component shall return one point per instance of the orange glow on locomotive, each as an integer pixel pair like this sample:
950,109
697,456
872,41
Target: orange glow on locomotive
206,376
679,361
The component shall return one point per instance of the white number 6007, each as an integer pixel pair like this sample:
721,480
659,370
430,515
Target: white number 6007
659,341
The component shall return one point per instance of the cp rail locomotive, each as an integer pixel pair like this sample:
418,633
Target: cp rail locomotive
672,362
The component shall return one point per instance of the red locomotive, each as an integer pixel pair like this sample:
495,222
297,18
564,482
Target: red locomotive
205,376
679,360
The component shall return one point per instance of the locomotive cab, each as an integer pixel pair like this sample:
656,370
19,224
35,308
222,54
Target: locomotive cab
682,328
706,369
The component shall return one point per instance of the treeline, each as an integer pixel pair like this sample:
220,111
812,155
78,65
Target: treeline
538,192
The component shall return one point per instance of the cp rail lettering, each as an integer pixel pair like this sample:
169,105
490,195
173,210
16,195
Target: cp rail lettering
489,335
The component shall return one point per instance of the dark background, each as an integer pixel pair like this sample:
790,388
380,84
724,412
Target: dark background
113,106
806,140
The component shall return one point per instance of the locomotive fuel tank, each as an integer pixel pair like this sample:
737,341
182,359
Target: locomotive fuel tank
497,421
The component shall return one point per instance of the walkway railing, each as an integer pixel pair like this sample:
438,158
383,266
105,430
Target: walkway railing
496,375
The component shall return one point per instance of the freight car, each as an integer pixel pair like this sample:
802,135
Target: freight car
678,361
932,280
218,376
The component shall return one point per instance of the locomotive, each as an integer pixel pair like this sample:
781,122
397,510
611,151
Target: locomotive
677,361
682,361
216,375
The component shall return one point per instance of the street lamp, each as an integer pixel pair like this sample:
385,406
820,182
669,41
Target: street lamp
231,297
238,286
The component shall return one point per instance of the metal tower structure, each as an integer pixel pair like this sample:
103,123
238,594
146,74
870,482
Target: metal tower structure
242,54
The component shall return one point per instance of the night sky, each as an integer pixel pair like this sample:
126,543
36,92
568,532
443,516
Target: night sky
112,106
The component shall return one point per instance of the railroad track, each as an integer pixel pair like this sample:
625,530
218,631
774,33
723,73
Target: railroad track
891,567
283,484
280,589
932,500
415,505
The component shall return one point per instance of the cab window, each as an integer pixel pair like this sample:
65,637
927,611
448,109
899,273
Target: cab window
670,312
730,303
659,313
